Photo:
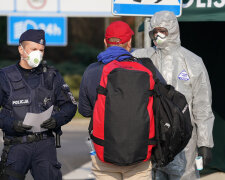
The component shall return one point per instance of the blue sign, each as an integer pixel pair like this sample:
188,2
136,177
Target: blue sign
55,29
145,7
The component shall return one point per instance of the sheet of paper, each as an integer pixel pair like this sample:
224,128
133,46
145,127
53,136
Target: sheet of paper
35,120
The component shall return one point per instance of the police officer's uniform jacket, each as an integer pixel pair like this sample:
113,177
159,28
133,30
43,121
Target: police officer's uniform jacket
33,91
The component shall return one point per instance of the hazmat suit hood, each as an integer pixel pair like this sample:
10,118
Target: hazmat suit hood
168,20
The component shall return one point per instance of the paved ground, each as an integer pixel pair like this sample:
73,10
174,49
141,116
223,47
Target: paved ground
84,172
74,154
214,176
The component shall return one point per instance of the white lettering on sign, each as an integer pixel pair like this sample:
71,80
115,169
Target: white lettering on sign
188,4
52,29
208,4
219,5
23,101
200,4
21,26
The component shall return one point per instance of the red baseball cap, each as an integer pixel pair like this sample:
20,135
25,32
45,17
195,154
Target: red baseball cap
120,30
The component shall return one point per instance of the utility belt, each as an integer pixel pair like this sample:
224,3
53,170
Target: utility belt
34,137
10,141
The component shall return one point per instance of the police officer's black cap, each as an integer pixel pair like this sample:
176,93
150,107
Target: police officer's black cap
34,35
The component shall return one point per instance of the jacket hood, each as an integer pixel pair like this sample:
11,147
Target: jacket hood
113,53
168,20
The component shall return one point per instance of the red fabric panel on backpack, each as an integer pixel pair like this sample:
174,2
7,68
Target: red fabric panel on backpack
99,151
152,126
98,117
99,112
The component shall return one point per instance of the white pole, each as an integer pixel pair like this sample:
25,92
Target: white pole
138,35
147,40
107,22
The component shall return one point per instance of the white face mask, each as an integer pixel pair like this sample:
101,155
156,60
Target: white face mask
34,58
160,39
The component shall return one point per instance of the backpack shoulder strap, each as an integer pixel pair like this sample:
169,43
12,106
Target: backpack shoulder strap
147,62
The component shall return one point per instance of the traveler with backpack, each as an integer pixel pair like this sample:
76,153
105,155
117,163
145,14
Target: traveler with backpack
186,72
116,93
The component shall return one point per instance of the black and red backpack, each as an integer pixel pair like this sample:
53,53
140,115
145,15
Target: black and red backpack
136,117
123,125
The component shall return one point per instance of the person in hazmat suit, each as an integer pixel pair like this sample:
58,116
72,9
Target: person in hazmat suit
186,72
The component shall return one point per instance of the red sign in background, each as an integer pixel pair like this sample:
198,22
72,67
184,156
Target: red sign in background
37,4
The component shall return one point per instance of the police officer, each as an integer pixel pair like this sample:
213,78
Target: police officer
29,86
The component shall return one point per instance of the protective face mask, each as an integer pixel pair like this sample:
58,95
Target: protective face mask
160,39
34,58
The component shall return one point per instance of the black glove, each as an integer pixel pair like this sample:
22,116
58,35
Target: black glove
206,154
49,123
18,126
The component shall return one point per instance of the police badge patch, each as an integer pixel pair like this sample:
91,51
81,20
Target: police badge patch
21,102
41,41
66,89
72,98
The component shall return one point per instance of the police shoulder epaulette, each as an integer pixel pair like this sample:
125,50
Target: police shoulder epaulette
51,68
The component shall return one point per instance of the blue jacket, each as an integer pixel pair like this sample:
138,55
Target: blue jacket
92,76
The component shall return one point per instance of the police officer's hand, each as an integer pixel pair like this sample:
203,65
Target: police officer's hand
49,123
206,154
20,127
